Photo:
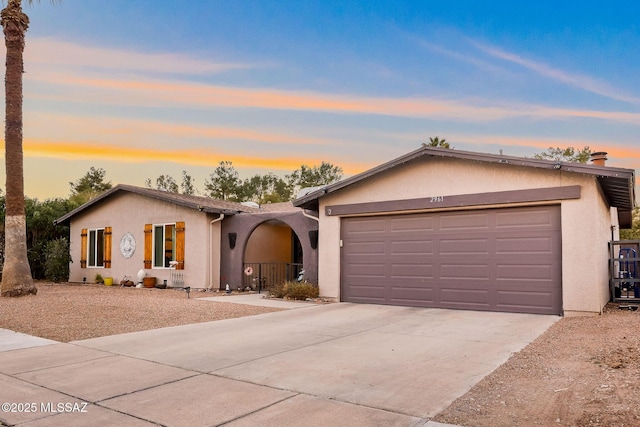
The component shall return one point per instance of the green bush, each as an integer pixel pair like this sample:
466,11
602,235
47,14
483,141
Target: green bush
57,259
295,290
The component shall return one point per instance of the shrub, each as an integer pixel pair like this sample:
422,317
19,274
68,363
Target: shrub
57,259
278,291
295,290
301,290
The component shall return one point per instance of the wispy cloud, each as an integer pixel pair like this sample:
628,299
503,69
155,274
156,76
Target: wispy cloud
172,94
576,80
115,128
87,74
54,52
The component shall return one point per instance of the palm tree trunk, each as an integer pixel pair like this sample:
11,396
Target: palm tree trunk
16,274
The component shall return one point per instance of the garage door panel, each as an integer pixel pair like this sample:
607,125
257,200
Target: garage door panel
495,259
457,298
424,247
463,246
532,302
468,221
531,272
367,226
464,271
526,245
530,218
411,224
411,270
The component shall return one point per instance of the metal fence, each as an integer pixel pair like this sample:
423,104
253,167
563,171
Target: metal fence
624,270
263,275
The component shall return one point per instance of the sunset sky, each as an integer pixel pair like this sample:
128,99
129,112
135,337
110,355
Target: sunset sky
148,87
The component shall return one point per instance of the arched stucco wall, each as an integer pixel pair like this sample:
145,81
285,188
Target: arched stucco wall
275,236
231,260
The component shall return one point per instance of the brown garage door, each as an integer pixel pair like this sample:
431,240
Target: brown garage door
493,259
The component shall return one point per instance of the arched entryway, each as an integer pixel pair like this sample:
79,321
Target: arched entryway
290,233
273,254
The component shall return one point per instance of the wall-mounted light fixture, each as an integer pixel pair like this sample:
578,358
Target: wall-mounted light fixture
313,239
232,240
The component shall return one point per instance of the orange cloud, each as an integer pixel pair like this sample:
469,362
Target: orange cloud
196,157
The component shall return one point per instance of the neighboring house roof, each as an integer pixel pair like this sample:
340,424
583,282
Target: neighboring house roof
203,204
618,184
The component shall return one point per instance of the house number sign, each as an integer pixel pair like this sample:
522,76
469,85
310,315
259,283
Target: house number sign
127,245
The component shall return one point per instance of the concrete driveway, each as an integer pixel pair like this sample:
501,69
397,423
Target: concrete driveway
336,364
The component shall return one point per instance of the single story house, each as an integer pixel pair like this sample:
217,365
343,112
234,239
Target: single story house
189,240
455,229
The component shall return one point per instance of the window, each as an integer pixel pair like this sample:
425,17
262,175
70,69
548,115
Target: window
95,248
164,245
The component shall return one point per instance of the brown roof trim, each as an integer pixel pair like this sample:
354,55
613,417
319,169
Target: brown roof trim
461,200
202,204
618,184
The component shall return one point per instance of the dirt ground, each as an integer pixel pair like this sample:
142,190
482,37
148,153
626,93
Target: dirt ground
74,312
582,372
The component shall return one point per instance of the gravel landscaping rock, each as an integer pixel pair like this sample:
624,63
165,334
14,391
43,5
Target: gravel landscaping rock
69,312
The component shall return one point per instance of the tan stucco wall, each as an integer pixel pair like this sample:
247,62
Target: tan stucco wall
586,221
269,243
129,212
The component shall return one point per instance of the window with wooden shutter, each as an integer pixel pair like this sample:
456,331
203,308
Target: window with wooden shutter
180,245
83,248
107,247
148,245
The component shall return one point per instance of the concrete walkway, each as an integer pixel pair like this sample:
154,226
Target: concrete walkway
259,300
335,364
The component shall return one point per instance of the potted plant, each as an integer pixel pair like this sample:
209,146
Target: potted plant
99,279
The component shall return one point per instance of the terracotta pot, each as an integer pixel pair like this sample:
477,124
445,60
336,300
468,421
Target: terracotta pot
149,282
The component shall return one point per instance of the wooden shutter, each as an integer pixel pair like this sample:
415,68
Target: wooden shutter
83,248
180,245
107,247
148,245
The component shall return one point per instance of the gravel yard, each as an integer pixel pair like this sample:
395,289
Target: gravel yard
69,312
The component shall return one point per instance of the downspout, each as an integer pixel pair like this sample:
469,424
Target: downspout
220,218
304,213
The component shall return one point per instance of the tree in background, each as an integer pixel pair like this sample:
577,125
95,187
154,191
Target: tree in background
436,142
267,188
165,183
16,274
168,183
569,154
633,233
307,176
188,184
224,183
88,186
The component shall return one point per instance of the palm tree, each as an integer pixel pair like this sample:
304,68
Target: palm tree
16,274
436,142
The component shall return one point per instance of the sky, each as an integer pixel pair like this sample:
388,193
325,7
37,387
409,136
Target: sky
149,87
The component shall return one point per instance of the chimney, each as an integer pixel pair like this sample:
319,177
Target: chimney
598,158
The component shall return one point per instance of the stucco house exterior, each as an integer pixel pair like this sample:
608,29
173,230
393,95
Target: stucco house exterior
187,240
457,229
